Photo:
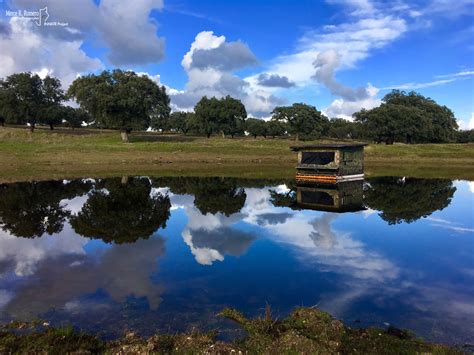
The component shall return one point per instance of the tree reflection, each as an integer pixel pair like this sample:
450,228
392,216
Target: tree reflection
211,195
122,211
30,209
407,199
284,199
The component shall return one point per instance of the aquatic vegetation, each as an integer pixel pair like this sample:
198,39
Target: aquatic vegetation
304,331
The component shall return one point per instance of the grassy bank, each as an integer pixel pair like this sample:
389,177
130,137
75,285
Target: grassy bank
65,153
304,331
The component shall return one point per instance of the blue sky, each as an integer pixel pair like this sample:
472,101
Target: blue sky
337,55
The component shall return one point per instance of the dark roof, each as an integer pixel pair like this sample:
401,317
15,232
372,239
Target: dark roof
297,148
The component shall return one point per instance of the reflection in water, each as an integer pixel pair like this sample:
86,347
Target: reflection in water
121,271
408,199
31,209
341,197
99,249
122,211
211,195
331,197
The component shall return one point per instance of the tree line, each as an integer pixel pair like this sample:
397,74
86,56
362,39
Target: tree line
125,101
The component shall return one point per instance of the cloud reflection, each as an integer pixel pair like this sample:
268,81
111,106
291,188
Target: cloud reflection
121,270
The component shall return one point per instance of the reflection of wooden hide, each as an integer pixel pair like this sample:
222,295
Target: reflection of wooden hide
340,197
330,162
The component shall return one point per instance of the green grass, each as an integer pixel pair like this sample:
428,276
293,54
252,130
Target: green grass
304,331
65,153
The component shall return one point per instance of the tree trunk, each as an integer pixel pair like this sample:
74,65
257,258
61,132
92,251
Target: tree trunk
124,134
2,123
51,126
223,134
124,180
208,135
297,137
32,127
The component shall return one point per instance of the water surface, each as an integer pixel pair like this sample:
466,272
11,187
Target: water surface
166,254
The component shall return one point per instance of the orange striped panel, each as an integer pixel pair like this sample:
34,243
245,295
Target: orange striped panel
319,178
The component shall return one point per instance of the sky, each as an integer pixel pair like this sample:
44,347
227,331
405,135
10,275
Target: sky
338,55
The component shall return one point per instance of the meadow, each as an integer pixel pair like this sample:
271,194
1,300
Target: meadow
67,153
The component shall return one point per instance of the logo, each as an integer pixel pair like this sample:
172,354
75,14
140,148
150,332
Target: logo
43,16
40,17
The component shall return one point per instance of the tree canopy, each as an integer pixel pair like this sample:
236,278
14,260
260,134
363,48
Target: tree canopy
121,100
127,101
226,115
181,121
256,127
303,120
409,118
26,98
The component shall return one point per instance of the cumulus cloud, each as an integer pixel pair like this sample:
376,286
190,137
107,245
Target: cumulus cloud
468,124
64,59
4,29
226,57
274,80
210,64
341,108
325,64
124,28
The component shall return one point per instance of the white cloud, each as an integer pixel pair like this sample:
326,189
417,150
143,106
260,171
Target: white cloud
124,28
321,53
471,186
341,108
210,64
128,33
449,8
414,86
359,7
325,64
441,80
24,49
458,74
467,125
352,41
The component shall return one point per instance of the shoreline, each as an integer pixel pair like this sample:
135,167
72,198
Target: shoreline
304,330
65,153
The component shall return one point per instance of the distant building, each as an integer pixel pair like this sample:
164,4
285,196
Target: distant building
330,162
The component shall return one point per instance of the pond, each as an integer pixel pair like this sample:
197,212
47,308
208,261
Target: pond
166,254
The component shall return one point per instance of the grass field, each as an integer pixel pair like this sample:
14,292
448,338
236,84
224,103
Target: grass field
65,153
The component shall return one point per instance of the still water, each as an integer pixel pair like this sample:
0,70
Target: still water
166,254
